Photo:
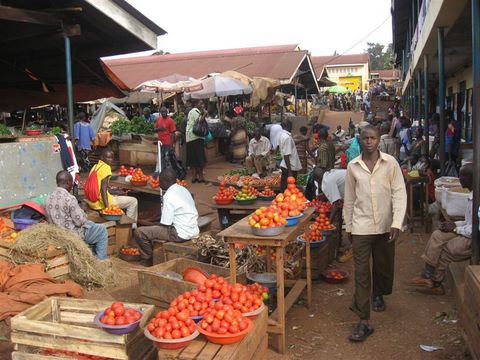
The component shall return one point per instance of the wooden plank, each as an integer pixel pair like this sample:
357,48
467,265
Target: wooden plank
164,354
209,351
292,296
59,271
17,355
262,349
68,317
61,260
35,312
192,350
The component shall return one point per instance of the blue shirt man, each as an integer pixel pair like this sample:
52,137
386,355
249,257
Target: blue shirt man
83,133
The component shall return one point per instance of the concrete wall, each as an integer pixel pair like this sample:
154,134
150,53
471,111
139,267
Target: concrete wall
335,72
463,75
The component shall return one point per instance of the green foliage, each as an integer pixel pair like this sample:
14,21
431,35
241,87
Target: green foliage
380,56
4,130
137,125
177,118
302,179
55,130
120,127
242,172
250,126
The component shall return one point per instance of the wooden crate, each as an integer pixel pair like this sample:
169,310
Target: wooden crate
55,260
252,347
119,235
470,311
160,289
67,324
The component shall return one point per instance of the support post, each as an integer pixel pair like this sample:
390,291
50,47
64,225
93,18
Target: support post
419,96
413,115
426,123
68,73
476,127
441,97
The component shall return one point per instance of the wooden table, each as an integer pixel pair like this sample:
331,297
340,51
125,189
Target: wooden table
252,347
240,232
226,210
422,217
120,182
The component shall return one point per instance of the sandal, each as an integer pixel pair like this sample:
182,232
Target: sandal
361,332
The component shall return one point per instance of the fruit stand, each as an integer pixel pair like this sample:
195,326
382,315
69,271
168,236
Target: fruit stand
120,182
252,347
240,233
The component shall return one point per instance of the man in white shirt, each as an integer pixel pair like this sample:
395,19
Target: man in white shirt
274,131
340,133
258,151
451,243
178,222
290,164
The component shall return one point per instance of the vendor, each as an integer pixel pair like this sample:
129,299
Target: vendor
63,210
178,222
165,128
148,116
258,154
103,171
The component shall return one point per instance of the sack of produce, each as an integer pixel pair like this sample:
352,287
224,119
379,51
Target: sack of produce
456,201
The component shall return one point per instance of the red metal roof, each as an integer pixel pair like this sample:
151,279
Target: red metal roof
319,62
278,62
386,74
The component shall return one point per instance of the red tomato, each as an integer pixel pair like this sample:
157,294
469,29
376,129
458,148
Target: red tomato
151,327
222,330
120,320
184,331
233,329
182,316
176,334
168,335
242,325
117,304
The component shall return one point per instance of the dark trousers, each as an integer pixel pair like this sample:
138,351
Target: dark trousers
146,235
383,254
283,180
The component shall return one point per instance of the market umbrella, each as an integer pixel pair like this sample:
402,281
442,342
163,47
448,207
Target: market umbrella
337,89
171,83
220,85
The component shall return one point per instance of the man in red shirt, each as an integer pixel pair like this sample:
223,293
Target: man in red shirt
165,128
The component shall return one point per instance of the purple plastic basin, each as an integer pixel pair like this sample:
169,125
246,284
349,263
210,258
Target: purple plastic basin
117,329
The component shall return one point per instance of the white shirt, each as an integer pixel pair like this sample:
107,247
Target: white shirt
179,210
340,134
260,147
287,147
275,131
333,184
464,228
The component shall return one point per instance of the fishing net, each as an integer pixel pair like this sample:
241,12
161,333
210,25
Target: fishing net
33,243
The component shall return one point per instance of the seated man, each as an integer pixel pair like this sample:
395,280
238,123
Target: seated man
104,172
258,153
453,242
63,210
179,218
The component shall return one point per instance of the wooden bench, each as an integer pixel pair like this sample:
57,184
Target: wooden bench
252,347
119,232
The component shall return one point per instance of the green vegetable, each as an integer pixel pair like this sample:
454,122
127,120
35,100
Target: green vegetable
34,127
250,126
177,118
120,127
242,172
302,179
138,125
55,130
4,130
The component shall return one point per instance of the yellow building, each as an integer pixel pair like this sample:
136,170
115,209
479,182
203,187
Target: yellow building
350,71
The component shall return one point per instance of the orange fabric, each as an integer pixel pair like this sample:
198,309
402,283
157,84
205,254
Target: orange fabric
102,138
25,285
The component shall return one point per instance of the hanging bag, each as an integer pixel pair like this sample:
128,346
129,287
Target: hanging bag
92,192
200,128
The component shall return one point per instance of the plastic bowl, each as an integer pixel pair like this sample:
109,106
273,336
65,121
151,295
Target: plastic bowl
253,314
270,231
294,220
225,339
33,132
246,202
194,275
128,257
266,198
223,201
111,217
171,344
197,318
138,183
313,244
21,224
268,280
326,276
117,329
329,231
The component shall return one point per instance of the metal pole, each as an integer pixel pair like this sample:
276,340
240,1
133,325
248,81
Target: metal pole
413,115
296,110
68,71
425,101
419,88
441,97
476,127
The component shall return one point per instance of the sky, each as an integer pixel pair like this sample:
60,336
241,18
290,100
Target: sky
320,26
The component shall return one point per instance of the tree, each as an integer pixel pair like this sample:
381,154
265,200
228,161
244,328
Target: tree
160,52
380,59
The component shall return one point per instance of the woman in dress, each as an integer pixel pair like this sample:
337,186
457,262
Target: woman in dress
196,158
238,140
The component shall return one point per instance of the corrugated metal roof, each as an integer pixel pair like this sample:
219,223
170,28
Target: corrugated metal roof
278,62
319,62
386,74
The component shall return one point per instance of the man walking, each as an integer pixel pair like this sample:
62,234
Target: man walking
374,208
290,164
165,128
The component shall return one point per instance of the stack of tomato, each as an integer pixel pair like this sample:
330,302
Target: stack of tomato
117,314
242,298
171,324
155,182
181,182
292,201
194,302
130,251
320,205
112,210
323,221
139,176
123,171
265,217
256,288
224,319
315,233
225,194
267,192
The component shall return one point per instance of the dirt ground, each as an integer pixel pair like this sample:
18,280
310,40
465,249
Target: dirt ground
321,332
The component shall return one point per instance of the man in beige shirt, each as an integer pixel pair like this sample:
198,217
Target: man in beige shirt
374,208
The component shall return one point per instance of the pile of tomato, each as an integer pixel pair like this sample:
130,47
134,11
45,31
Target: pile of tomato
124,171
336,275
266,217
267,191
181,182
130,251
117,314
320,205
139,176
112,210
292,201
323,221
171,324
224,319
155,182
225,193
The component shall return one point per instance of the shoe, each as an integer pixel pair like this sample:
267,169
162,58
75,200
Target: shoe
361,332
378,303
434,290
194,181
420,281
346,256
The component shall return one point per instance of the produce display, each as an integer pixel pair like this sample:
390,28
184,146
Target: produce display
171,324
224,319
246,193
139,176
123,171
137,125
181,182
155,182
224,193
320,205
323,222
267,192
292,201
112,210
117,314
271,180
130,251
265,217
4,130
7,234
